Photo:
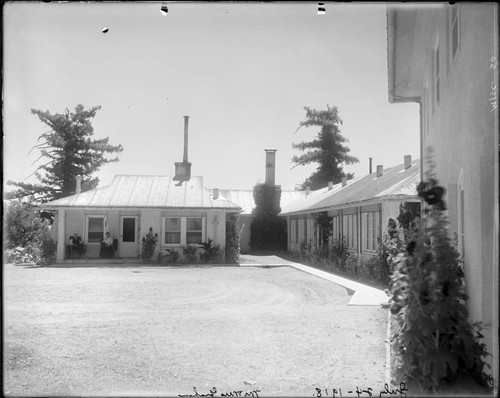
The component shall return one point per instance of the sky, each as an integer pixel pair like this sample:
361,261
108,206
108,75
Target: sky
243,72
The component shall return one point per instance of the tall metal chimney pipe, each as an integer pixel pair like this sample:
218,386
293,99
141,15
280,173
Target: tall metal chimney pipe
186,123
371,165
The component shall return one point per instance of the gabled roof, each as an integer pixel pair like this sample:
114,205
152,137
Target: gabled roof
129,191
396,183
244,198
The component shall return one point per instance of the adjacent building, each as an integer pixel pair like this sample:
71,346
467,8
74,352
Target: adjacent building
445,58
359,208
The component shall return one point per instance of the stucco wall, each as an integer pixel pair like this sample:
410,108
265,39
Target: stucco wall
462,135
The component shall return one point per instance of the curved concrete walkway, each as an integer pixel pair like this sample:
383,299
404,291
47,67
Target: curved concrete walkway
361,294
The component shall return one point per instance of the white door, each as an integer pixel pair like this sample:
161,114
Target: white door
128,246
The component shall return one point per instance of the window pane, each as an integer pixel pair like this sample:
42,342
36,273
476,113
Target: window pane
172,224
96,229
194,224
172,237
193,238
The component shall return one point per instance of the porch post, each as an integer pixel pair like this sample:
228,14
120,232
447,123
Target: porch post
61,234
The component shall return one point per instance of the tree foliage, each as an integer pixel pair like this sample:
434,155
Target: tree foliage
23,227
66,151
268,231
328,149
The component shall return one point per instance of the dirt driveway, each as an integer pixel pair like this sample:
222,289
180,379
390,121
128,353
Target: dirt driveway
164,331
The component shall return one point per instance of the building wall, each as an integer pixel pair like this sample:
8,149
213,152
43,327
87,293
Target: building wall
350,223
461,132
460,143
76,221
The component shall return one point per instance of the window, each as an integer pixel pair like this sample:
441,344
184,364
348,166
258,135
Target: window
425,109
336,227
305,230
461,213
184,230
172,230
370,224
436,77
293,231
454,24
194,230
349,227
95,228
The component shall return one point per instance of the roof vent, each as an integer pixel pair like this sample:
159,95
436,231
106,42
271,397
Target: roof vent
380,170
407,161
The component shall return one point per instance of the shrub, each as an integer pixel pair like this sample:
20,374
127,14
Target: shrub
211,252
149,245
352,266
268,231
339,254
233,230
190,252
434,341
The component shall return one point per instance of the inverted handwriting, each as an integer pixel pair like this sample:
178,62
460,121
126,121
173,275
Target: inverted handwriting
362,392
213,391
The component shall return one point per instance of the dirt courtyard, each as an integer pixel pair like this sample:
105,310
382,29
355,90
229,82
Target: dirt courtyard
156,331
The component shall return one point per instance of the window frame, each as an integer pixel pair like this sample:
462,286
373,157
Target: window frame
183,231
350,231
454,33
370,231
436,77
104,219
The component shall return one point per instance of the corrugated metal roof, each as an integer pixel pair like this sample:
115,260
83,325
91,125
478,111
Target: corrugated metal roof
147,191
244,198
395,183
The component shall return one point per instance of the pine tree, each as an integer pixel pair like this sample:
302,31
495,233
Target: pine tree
67,150
328,149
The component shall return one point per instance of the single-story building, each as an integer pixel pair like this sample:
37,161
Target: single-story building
181,213
359,208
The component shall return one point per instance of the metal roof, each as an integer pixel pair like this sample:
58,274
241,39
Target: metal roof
395,183
244,198
129,191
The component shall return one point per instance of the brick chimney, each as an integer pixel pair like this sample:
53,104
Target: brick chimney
330,185
380,170
215,194
344,181
78,188
270,166
183,169
407,159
